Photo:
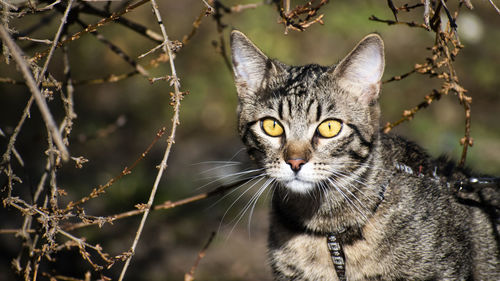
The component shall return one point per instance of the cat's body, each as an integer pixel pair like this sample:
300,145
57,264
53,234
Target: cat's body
419,231
396,211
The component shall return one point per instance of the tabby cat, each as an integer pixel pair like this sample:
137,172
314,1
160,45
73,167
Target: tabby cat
398,214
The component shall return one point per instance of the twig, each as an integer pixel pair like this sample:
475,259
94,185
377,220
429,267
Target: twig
140,29
175,121
408,114
241,7
292,19
150,51
450,17
466,141
92,28
54,44
40,100
220,47
48,7
117,50
10,6
393,9
196,24
427,13
14,150
400,77
68,99
163,206
494,6
208,5
44,41
126,171
391,22
190,275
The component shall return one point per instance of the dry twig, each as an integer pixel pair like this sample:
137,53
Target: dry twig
175,122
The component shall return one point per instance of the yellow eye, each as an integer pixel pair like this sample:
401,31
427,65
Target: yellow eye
329,128
272,127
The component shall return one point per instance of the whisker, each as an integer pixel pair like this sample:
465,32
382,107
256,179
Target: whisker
252,199
238,152
338,188
239,197
343,175
229,176
253,202
250,179
228,164
215,162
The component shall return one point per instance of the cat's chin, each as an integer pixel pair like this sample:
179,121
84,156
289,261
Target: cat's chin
299,186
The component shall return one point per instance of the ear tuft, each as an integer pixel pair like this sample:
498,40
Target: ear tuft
361,70
251,67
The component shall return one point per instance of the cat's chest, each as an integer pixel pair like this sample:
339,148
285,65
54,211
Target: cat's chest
306,257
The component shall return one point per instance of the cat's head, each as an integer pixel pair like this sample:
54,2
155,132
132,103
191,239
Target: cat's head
308,125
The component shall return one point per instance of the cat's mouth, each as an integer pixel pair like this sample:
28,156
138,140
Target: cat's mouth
299,185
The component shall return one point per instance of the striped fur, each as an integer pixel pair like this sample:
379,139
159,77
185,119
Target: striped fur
397,225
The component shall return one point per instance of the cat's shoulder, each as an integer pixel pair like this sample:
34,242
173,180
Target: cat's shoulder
400,150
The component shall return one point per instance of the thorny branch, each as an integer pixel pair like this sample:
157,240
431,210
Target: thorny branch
439,64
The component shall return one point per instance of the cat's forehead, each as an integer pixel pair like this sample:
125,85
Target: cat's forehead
298,83
302,87
299,80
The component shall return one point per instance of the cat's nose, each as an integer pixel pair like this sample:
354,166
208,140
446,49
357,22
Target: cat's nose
296,164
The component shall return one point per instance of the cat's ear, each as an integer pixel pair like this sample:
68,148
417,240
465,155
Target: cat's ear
361,70
252,69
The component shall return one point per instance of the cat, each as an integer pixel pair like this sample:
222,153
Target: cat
349,201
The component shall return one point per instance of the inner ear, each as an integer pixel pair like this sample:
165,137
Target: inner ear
252,68
361,70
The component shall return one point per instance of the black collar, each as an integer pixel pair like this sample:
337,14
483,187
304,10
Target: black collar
336,250
336,241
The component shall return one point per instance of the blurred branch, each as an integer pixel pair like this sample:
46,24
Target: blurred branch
140,29
494,6
190,275
196,24
117,50
393,9
391,22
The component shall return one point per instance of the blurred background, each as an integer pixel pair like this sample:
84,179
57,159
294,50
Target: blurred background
117,121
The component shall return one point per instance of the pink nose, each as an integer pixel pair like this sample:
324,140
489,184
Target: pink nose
296,164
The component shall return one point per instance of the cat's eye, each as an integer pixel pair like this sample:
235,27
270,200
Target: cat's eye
329,128
271,127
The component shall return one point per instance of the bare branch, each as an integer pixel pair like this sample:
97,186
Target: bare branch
40,100
175,122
